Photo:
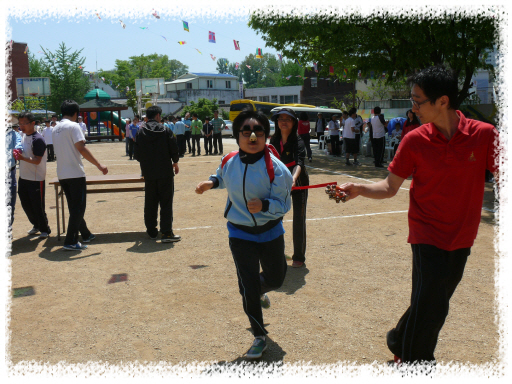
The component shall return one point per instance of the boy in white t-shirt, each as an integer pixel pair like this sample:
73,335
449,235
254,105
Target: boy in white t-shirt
31,187
47,136
69,143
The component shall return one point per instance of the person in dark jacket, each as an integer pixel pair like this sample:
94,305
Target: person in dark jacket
156,149
292,151
208,136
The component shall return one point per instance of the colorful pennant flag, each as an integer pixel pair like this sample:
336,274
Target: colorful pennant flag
122,24
237,65
237,45
182,42
248,66
280,57
288,77
111,82
163,37
371,74
315,67
258,71
259,55
213,57
384,74
359,74
127,88
97,14
298,62
26,49
394,73
143,27
185,26
199,51
331,70
211,37
345,73
155,14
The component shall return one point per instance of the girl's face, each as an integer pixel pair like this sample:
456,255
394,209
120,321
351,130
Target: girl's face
285,123
245,142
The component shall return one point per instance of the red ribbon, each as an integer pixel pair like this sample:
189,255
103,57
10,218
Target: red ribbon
315,186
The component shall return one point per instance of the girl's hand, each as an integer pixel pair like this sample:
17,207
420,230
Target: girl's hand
203,186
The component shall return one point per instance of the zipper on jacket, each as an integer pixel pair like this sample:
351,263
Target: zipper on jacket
227,209
253,219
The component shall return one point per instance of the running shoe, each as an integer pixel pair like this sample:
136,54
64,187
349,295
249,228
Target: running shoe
348,162
43,235
264,301
74,247
259,346
170,237
33,231
356,162
297,264
152,234
88,240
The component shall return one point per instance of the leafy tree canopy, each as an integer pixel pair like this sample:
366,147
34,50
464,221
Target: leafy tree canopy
203,108
382,42
64,68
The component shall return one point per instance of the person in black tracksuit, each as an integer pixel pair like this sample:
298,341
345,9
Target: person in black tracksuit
156,149
292,150
208,136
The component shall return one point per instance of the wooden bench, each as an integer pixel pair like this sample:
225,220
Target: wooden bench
95,180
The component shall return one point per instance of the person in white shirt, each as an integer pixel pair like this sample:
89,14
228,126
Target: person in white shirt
31,184
334,133
69,142
378,142
82,125
349,137
47,136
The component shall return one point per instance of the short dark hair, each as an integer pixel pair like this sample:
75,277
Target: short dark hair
345,113
137,116
27,115
54,115
216,111
152,111
207,118
435,82
376,110
250,114
194,115
69,108
351,111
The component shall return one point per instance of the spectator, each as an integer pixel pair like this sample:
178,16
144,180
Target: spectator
179,130
69,142
218,126
132,129
349,137
47,136
321,126
410,124
157,152
188,131
32,176
378,125
196,127
334,133
304,133
208,136
12,142
127,123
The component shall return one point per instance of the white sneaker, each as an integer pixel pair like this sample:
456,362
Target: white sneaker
43,235
33,231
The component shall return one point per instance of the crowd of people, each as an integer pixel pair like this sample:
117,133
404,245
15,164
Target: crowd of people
264,181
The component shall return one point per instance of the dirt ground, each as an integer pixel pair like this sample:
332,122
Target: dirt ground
354,288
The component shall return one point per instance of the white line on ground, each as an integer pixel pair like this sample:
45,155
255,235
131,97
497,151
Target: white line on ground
349,216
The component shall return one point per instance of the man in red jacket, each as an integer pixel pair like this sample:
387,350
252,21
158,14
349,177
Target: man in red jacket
447,158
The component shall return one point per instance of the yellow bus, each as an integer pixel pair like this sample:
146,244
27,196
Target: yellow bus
238,105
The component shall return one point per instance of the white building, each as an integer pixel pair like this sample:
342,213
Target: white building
281,95
193,86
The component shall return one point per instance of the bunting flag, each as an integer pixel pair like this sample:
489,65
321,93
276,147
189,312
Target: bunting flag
248,66
213,57
122,24
199,51
97,14
371,74
335,80
80,67
304,78
127,88
345,73
298,76
269,70
211,37
26,49
280,57
288,77
258,71
185,26
359,74
182,42
163,37
68,63
103,78
143,27
237,45
110,82
298,62
155,14
331,70
237,65
394,73
259,55
11,44
224,61
384,74
315,67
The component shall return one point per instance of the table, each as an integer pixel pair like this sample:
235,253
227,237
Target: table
95,180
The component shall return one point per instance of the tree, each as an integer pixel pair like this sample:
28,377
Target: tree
269,72
383,42
222,65
28,103
203,108
67,80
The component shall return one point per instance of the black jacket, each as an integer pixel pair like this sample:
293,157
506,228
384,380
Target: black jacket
294,152
156,149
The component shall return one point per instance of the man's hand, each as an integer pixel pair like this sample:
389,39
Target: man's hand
254,205
203,186
176,168
351,190
103,169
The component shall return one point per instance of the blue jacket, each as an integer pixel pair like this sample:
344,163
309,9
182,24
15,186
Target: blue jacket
179,128
12,141
245,177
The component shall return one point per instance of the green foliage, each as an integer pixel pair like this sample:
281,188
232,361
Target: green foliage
222,65
382,42
203,108
271,73
67,80
28,103
143,67
225,114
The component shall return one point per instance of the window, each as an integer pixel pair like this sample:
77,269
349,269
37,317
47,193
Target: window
288,99
314,82
222,101
274,98
189,85
264,99
209,83
228,84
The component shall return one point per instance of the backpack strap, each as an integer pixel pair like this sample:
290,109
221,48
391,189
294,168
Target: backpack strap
227,157
268,161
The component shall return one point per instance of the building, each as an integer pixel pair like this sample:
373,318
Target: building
194,86
281,95
17,63
321,91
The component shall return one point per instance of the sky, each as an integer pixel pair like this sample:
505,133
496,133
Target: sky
104,40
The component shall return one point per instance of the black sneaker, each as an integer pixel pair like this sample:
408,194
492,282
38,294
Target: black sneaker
152,234
170,237
356,162
348,162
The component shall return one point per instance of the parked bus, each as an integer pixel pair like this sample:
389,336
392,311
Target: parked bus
238,105
312,114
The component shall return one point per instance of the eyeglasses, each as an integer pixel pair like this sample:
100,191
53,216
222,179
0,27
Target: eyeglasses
283,120
416,104
22,125
258,130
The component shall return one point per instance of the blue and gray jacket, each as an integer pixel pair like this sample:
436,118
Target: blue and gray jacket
245,176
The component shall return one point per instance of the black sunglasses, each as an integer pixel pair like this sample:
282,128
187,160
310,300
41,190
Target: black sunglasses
258,130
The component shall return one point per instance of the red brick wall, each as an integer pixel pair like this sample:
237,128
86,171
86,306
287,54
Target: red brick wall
18,62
